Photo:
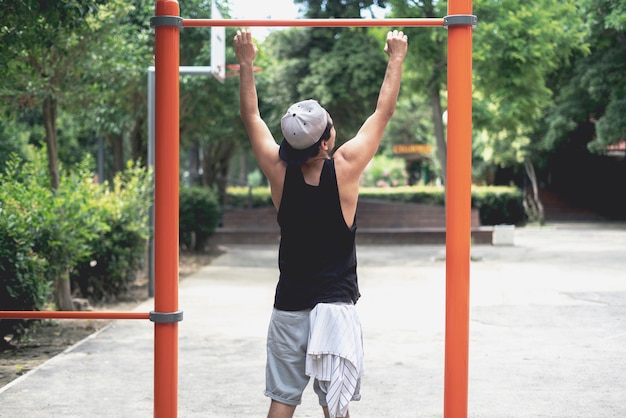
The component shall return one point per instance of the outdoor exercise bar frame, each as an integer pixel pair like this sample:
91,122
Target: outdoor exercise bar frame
460,22
167,23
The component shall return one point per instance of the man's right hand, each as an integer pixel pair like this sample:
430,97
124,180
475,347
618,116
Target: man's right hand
245,49
397,44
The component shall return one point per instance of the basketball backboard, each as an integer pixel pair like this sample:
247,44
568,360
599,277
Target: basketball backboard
218,46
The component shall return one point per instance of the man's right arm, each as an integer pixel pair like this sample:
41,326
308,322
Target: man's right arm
263,145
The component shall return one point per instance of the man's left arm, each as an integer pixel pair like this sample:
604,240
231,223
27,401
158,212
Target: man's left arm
359,151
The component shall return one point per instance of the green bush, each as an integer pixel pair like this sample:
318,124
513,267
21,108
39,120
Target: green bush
427,195
61,222
248,197
117,254
385,172
23,282
48,235
199,214
499,205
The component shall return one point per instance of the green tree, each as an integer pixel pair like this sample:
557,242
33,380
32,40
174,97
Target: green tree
426,63
43,57
211,129
13,140
518,46
412,124
340,67
116,106
593,90
48,54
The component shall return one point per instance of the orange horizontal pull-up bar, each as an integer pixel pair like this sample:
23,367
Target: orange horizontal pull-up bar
72,315
430,22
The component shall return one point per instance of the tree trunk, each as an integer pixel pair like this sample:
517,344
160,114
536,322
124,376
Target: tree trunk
50,124
532,202
117,145
440,135
215,163
195,163
139,152
63,292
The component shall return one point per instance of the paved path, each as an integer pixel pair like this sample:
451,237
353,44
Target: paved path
548,336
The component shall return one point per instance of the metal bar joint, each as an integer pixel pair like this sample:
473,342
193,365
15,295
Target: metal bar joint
166,317
166,21
460,20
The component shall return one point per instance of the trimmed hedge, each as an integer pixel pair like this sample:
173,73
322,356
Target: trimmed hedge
496,204
248,197
499,205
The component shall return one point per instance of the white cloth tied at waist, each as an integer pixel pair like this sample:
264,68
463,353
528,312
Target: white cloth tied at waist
335,354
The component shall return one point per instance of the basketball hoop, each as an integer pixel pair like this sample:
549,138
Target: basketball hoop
233,70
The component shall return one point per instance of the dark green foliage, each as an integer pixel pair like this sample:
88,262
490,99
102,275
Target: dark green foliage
118,253
342,68
198,217
499,205
593,88
248,197
46,234
23,283
429,195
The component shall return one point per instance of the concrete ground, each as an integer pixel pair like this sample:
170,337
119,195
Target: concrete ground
547,336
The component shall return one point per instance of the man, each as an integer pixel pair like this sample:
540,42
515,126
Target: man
314,330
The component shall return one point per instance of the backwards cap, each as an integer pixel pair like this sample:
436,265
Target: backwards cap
302,126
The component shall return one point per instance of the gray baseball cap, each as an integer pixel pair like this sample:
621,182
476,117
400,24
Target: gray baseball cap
303,126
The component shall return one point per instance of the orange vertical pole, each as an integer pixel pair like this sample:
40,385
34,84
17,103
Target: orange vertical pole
166,56
458,211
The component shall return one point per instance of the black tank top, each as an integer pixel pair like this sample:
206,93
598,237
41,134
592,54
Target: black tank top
317,253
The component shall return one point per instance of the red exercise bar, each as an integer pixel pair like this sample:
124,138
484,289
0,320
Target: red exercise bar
458,199
166,171
458,212
72,315
319,23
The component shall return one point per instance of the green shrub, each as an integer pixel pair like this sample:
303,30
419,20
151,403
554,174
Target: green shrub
427,195
68,222
248,197
385,171
117,254
23,282
499,205
50,237
199,214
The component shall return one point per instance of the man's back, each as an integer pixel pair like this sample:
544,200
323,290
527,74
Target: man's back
317,255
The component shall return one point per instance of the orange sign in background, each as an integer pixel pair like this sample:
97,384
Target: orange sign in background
412,149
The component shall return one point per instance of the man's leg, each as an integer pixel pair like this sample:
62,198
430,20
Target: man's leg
327,415
280,410
285,378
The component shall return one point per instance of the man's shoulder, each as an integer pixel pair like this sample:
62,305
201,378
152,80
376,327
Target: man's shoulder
346,170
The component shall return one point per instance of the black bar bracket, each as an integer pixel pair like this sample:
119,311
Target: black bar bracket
166,21
166,317
460,20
